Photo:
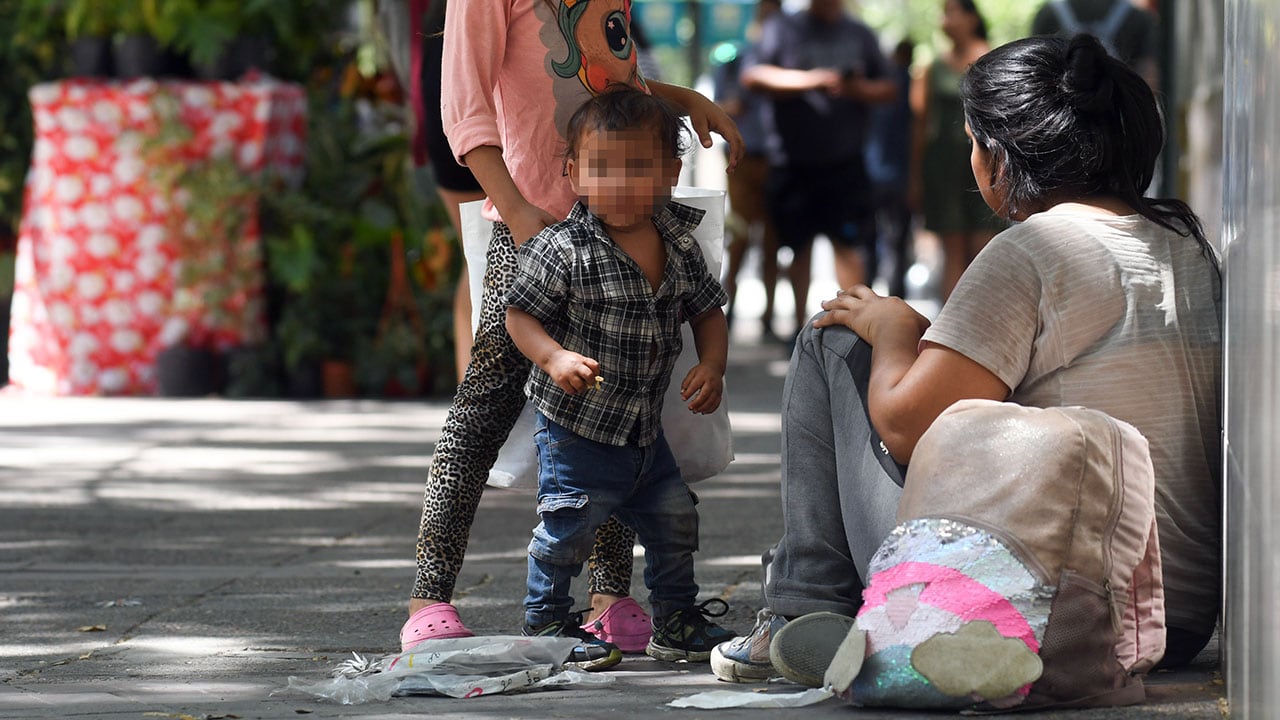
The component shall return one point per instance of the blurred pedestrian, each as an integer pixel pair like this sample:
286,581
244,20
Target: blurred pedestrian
1128,32
823,69
889,167
943,186
749,222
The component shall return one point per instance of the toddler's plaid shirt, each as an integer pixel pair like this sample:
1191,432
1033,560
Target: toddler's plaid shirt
594,300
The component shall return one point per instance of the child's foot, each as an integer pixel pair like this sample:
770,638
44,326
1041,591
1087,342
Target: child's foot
591,654
687,634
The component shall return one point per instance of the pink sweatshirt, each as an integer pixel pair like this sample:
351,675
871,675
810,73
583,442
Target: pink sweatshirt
515,70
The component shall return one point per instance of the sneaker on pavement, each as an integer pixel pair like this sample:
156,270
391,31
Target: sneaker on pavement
591,654
746,659
624,624
687,634
801,651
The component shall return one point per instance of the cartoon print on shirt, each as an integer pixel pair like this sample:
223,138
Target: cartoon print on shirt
595,47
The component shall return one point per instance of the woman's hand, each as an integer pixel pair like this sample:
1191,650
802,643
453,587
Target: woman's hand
705,117
528,220
863,311
705,386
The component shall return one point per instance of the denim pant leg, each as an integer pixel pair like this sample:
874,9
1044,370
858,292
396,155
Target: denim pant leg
840,489
580,483
663,512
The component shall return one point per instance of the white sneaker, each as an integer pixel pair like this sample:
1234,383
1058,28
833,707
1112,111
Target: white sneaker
746,659
802,650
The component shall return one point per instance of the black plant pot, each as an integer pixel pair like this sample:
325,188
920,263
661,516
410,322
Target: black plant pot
91,57
237,58
185,371
305,381
253,52
137,56
252,371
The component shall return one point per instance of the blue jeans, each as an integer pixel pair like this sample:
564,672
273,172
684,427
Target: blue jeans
840,487
580,484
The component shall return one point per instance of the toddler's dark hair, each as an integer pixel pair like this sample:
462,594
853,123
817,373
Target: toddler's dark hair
626,108
1063,118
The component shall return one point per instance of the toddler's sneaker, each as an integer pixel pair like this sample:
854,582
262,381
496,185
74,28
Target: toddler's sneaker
746,658
802,649
591,654
687,634
624,624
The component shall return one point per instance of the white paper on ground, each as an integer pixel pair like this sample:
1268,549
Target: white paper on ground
722,699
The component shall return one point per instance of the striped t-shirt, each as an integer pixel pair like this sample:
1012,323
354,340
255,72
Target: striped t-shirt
1120,315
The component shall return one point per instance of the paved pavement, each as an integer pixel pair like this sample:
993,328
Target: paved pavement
163,558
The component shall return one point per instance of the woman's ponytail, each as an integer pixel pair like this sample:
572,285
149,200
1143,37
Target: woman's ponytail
1063,118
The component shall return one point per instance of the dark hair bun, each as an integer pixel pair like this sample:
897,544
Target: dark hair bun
1088,80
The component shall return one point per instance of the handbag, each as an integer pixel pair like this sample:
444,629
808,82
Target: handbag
1025,571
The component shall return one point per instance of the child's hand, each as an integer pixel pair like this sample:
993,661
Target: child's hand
572,372
705,386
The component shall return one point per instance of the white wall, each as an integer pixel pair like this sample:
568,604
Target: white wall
1250,233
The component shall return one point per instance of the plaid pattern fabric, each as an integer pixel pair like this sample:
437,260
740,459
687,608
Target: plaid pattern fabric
594,300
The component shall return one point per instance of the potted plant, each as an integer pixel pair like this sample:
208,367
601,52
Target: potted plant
140,39
89,26
217,198
204,30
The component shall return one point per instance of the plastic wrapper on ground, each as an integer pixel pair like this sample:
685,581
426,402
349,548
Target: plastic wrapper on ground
459,667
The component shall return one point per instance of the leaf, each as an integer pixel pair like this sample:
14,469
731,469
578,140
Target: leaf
92,628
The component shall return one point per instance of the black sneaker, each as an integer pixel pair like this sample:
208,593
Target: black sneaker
591,654
687,634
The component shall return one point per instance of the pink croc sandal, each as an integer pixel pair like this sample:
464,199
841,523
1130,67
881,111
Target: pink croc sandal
624,624
433,622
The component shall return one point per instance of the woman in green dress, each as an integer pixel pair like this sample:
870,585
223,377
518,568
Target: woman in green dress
943,187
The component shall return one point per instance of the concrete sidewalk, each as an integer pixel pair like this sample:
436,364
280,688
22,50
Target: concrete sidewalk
164,558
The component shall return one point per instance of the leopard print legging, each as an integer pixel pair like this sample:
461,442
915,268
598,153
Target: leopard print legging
485,408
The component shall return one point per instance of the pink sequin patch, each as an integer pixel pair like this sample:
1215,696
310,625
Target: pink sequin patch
951,590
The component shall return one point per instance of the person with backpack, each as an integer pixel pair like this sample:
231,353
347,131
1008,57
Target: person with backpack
1098,297
1127,31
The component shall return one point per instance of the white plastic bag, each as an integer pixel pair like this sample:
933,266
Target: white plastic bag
701,444
459,667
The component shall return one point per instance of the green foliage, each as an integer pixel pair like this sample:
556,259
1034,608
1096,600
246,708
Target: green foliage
140,17
921,21
322,253
89,18
330,246
217,197
28,53
202,29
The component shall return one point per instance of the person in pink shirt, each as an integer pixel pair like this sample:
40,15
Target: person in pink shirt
514,71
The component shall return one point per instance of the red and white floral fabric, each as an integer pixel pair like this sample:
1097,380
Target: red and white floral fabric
99,275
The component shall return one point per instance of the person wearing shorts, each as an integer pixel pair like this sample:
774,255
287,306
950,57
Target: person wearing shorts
823,69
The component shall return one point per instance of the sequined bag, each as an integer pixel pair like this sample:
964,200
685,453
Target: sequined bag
1025,571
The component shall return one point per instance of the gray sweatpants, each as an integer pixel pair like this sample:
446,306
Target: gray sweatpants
840,487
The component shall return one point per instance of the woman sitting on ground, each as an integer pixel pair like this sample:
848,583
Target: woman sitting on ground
1098,297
